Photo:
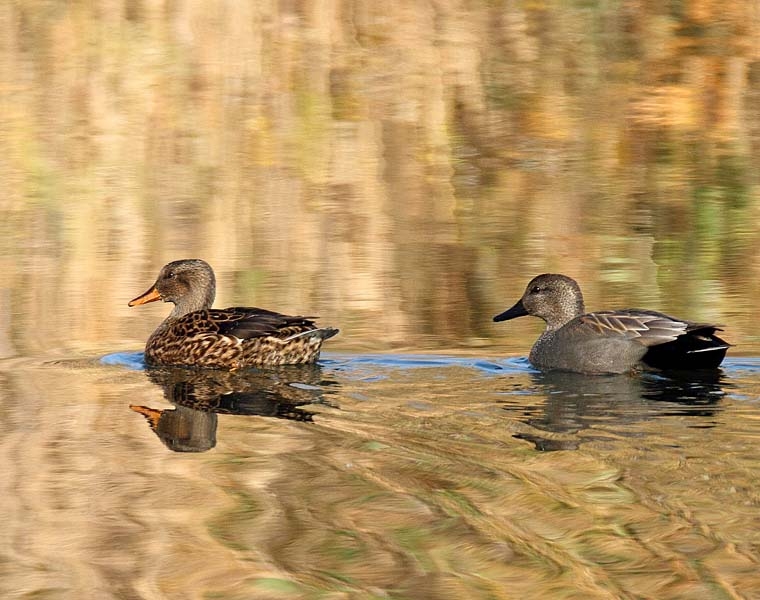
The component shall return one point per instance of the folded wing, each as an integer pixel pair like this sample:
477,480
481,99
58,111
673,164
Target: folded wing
672,343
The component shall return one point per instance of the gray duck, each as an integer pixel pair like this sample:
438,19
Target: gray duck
196,335
610,341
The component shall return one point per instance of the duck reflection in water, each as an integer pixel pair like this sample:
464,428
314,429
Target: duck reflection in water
199,395
580,409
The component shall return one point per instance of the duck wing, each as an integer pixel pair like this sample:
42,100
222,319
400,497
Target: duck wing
648,327
242,322
671,343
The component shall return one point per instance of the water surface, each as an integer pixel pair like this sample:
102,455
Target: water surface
408,476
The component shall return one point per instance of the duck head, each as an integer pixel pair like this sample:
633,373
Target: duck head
189,284
554,298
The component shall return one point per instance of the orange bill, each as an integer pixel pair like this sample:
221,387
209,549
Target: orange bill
150,296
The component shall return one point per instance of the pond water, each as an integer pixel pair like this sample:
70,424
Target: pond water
401,170
378,476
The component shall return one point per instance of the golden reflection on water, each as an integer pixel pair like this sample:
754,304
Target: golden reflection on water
407,483
402,171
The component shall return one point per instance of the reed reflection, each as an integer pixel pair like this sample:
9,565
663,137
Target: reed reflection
576,405
199,396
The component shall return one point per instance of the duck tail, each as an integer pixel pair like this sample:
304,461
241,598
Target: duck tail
322,333
698,348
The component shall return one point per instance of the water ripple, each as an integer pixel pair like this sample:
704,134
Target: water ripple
131,360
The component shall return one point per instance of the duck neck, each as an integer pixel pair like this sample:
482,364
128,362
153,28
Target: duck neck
566,312
193,302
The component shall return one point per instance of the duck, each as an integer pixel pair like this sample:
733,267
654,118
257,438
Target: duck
610,341
196,335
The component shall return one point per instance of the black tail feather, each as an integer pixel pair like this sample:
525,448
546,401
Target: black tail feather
696,349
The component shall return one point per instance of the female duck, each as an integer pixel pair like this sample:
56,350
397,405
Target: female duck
194,334
610,341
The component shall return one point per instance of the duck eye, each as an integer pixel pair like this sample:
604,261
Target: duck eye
170,275
536,289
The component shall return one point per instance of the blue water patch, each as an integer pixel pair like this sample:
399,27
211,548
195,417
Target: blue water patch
131,360
741,364
362,362
347,362
355,362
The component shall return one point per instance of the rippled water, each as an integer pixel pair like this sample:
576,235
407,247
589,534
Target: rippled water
403,476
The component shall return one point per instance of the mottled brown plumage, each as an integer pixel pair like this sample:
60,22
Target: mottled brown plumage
194,334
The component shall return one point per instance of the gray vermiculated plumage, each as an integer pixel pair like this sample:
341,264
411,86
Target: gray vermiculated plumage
612,341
